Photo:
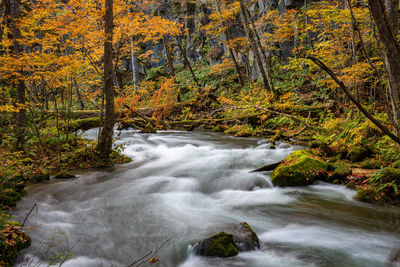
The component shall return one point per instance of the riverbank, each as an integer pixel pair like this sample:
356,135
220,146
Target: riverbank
49,158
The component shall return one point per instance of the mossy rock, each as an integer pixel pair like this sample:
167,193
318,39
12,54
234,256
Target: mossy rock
369,194
370,164
64,175
40,177
244,237
11,242
358,153
299,169
219,245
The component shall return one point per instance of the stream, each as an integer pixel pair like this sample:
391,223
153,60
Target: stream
182,187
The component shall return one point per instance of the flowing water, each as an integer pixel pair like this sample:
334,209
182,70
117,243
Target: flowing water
184,187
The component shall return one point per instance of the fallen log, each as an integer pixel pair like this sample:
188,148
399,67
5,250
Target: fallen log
268,167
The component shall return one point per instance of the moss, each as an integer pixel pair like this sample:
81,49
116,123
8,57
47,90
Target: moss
370,164
149,128
368,194
9,197
222,245
358,153
40,177
299,169
386,175
84,124
340,171
64,175
383,186
219,245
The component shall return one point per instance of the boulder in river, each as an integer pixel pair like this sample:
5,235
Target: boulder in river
299,169
228,244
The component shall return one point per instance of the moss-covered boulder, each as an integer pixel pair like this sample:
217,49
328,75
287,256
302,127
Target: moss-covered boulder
12,240
299,169
219,245
234,239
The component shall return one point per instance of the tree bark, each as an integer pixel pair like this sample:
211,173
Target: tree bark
105,140
169,56
266,57
253,45
78,94
20,84
232,55
384,13
186,60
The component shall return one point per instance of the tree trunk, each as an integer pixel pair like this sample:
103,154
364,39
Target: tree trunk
253,45
105,141
169,56
186,60
384,14
231,54
266,57
20,85
78,95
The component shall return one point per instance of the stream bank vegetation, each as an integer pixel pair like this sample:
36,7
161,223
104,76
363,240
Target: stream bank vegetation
324,74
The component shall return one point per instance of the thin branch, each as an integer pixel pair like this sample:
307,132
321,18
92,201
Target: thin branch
385,130
29,213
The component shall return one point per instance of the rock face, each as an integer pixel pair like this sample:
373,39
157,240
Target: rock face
299,169
239,238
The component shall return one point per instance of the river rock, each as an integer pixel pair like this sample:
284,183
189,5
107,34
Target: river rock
299,169
235,239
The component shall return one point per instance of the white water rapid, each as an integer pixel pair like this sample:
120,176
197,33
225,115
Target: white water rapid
186,186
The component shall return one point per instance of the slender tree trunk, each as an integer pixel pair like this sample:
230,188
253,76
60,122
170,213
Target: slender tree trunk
231,54
186,60
266,56
78,94
384,13
253,45
169,56
20,85
105,141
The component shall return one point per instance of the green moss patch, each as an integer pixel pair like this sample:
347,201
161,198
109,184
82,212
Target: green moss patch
219,245
299,169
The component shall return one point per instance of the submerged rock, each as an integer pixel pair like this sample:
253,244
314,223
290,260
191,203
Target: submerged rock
228,244
299,169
